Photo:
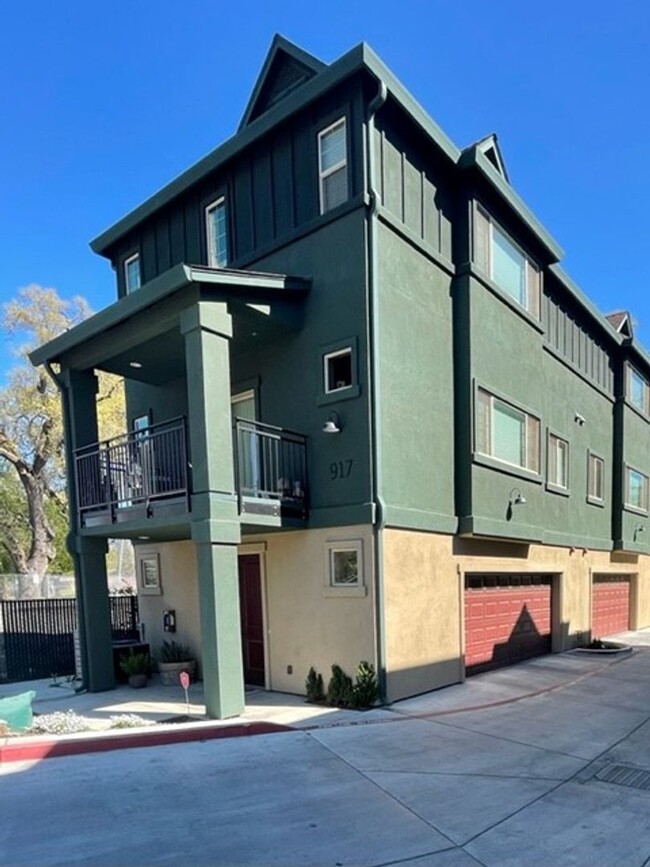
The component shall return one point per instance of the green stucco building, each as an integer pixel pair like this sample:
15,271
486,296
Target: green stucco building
369,416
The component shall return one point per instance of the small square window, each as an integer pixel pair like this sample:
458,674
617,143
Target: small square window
344,568
132,273
338,370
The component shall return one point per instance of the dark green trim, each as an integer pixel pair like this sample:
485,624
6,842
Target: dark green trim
341,516
472,526
169,283
390,220
569,540
578,295
418,519
576,370
481,277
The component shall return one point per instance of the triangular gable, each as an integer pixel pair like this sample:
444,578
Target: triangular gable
621,322
489,147
286,67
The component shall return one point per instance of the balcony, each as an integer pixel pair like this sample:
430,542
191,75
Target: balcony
270,472
145,474
136,475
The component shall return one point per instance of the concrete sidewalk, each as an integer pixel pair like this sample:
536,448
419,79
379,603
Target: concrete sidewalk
555,778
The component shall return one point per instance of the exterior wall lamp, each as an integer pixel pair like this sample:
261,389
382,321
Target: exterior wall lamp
579,419
516,498
638,530
333,424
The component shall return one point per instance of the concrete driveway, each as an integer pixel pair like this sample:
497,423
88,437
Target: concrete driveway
559,778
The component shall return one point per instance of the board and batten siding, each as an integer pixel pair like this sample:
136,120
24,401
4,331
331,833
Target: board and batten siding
271,191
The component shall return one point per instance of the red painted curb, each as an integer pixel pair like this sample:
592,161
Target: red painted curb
21,752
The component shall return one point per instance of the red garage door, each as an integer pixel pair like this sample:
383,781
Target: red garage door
507,619
610,605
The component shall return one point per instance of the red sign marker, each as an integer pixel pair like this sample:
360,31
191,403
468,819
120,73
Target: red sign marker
184,679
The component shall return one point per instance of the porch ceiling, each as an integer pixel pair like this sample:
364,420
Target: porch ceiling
143,328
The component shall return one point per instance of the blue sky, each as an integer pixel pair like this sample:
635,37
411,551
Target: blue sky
103,103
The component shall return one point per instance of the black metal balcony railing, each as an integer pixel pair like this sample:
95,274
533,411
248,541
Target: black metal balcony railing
135,469
271,469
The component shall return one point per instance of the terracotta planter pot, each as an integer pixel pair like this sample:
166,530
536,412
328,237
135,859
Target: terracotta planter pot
169,671
137,681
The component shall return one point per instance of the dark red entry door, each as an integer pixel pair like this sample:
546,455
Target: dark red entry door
252,620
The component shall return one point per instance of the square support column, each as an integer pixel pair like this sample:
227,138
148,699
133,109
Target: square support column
89,555
207,328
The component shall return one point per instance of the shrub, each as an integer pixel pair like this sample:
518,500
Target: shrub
173,651
314,687
339,689
365,690
135,663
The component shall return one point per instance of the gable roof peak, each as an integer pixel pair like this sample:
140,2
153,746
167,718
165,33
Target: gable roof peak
285,68
621,321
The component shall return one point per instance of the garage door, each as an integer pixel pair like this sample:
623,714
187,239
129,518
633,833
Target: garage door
507,619
610,605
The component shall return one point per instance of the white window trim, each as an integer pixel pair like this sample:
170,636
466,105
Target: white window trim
595,498
525,415
332,589
646,389
346,350
646,483
134,257
533,310
323,175
212,254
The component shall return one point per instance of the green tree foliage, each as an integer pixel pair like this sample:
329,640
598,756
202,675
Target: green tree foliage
33,502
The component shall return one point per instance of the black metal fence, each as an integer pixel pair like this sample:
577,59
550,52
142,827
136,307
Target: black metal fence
37,635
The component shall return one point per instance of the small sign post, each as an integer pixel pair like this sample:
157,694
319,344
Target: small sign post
185,683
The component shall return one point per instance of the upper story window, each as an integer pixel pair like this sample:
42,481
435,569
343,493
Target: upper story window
638,391
333,165
557,469
506,433
636,489
506,263
132,273
216,228
595,478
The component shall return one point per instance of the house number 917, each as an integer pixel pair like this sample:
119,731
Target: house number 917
340,469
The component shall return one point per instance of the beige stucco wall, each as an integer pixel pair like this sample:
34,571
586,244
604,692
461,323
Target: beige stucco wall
308,623
179,593
423,585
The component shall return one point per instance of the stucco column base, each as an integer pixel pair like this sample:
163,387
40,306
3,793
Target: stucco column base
218,585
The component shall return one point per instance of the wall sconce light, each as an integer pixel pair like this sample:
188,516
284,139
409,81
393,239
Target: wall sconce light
638,530
516,498
579,419
333,424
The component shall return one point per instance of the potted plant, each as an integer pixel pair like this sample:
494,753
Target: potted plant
173,658
136,666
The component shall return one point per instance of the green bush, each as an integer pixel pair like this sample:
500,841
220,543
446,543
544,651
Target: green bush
365,690
339,689
135,663
314,687
173,651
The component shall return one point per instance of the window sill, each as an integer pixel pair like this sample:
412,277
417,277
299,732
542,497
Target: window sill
326,398
353,592
635,409
556,489
495,289
508,469
592,501
635,510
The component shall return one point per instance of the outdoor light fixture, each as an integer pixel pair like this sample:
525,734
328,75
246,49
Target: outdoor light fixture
638,530
579,419
516,498
333,424
135,364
